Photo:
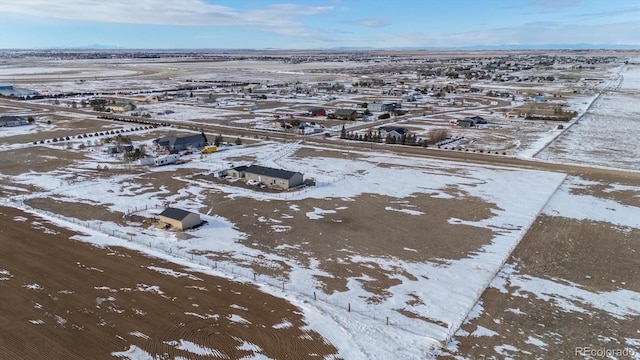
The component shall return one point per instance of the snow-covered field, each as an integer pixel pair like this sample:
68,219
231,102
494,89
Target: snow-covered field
604,136
446,305
448,290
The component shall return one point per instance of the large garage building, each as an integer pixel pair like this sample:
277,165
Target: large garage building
179,219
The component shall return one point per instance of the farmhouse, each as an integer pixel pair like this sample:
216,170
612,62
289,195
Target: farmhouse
277,178
10,120
346,114
175,144
179,219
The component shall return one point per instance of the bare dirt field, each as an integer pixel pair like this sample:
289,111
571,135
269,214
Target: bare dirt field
72,300
594,256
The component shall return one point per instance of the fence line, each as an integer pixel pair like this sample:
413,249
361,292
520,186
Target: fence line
239,272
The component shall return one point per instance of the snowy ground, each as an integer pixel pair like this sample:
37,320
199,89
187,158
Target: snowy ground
448,289
446,306
602,136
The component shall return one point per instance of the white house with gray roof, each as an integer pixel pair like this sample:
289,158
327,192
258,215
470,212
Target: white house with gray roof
271,177
11,120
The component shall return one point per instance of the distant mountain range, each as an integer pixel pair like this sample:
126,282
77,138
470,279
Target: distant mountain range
371,48
502,47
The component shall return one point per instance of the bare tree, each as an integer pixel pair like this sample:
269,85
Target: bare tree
439,134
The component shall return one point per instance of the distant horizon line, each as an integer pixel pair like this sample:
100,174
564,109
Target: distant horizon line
579,46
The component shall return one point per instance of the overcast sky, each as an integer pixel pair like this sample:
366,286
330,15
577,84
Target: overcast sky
259,24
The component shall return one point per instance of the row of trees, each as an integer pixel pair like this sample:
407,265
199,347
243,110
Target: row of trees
101,133
434,136
376,137
218,140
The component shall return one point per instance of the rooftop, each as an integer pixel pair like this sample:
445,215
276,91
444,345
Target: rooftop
175,213
267,171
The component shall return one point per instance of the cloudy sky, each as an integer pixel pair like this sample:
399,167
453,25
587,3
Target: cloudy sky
308,24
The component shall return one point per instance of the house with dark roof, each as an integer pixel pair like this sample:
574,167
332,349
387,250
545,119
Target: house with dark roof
345,114
11,120
237,172
467,122
394,131
179,219
277,178
175,144
478,119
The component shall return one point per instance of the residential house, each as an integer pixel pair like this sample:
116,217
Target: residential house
277,178
9,90
393,131
381,107
345,114
11,120
120,107
513,113
478,119
179,219
317,111
467,122
237,172
175,144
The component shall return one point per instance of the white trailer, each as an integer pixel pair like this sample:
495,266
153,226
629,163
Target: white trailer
166,160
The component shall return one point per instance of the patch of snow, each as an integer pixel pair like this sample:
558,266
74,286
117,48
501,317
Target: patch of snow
238,319
174,273
537,342
406,211
283,325
483,331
